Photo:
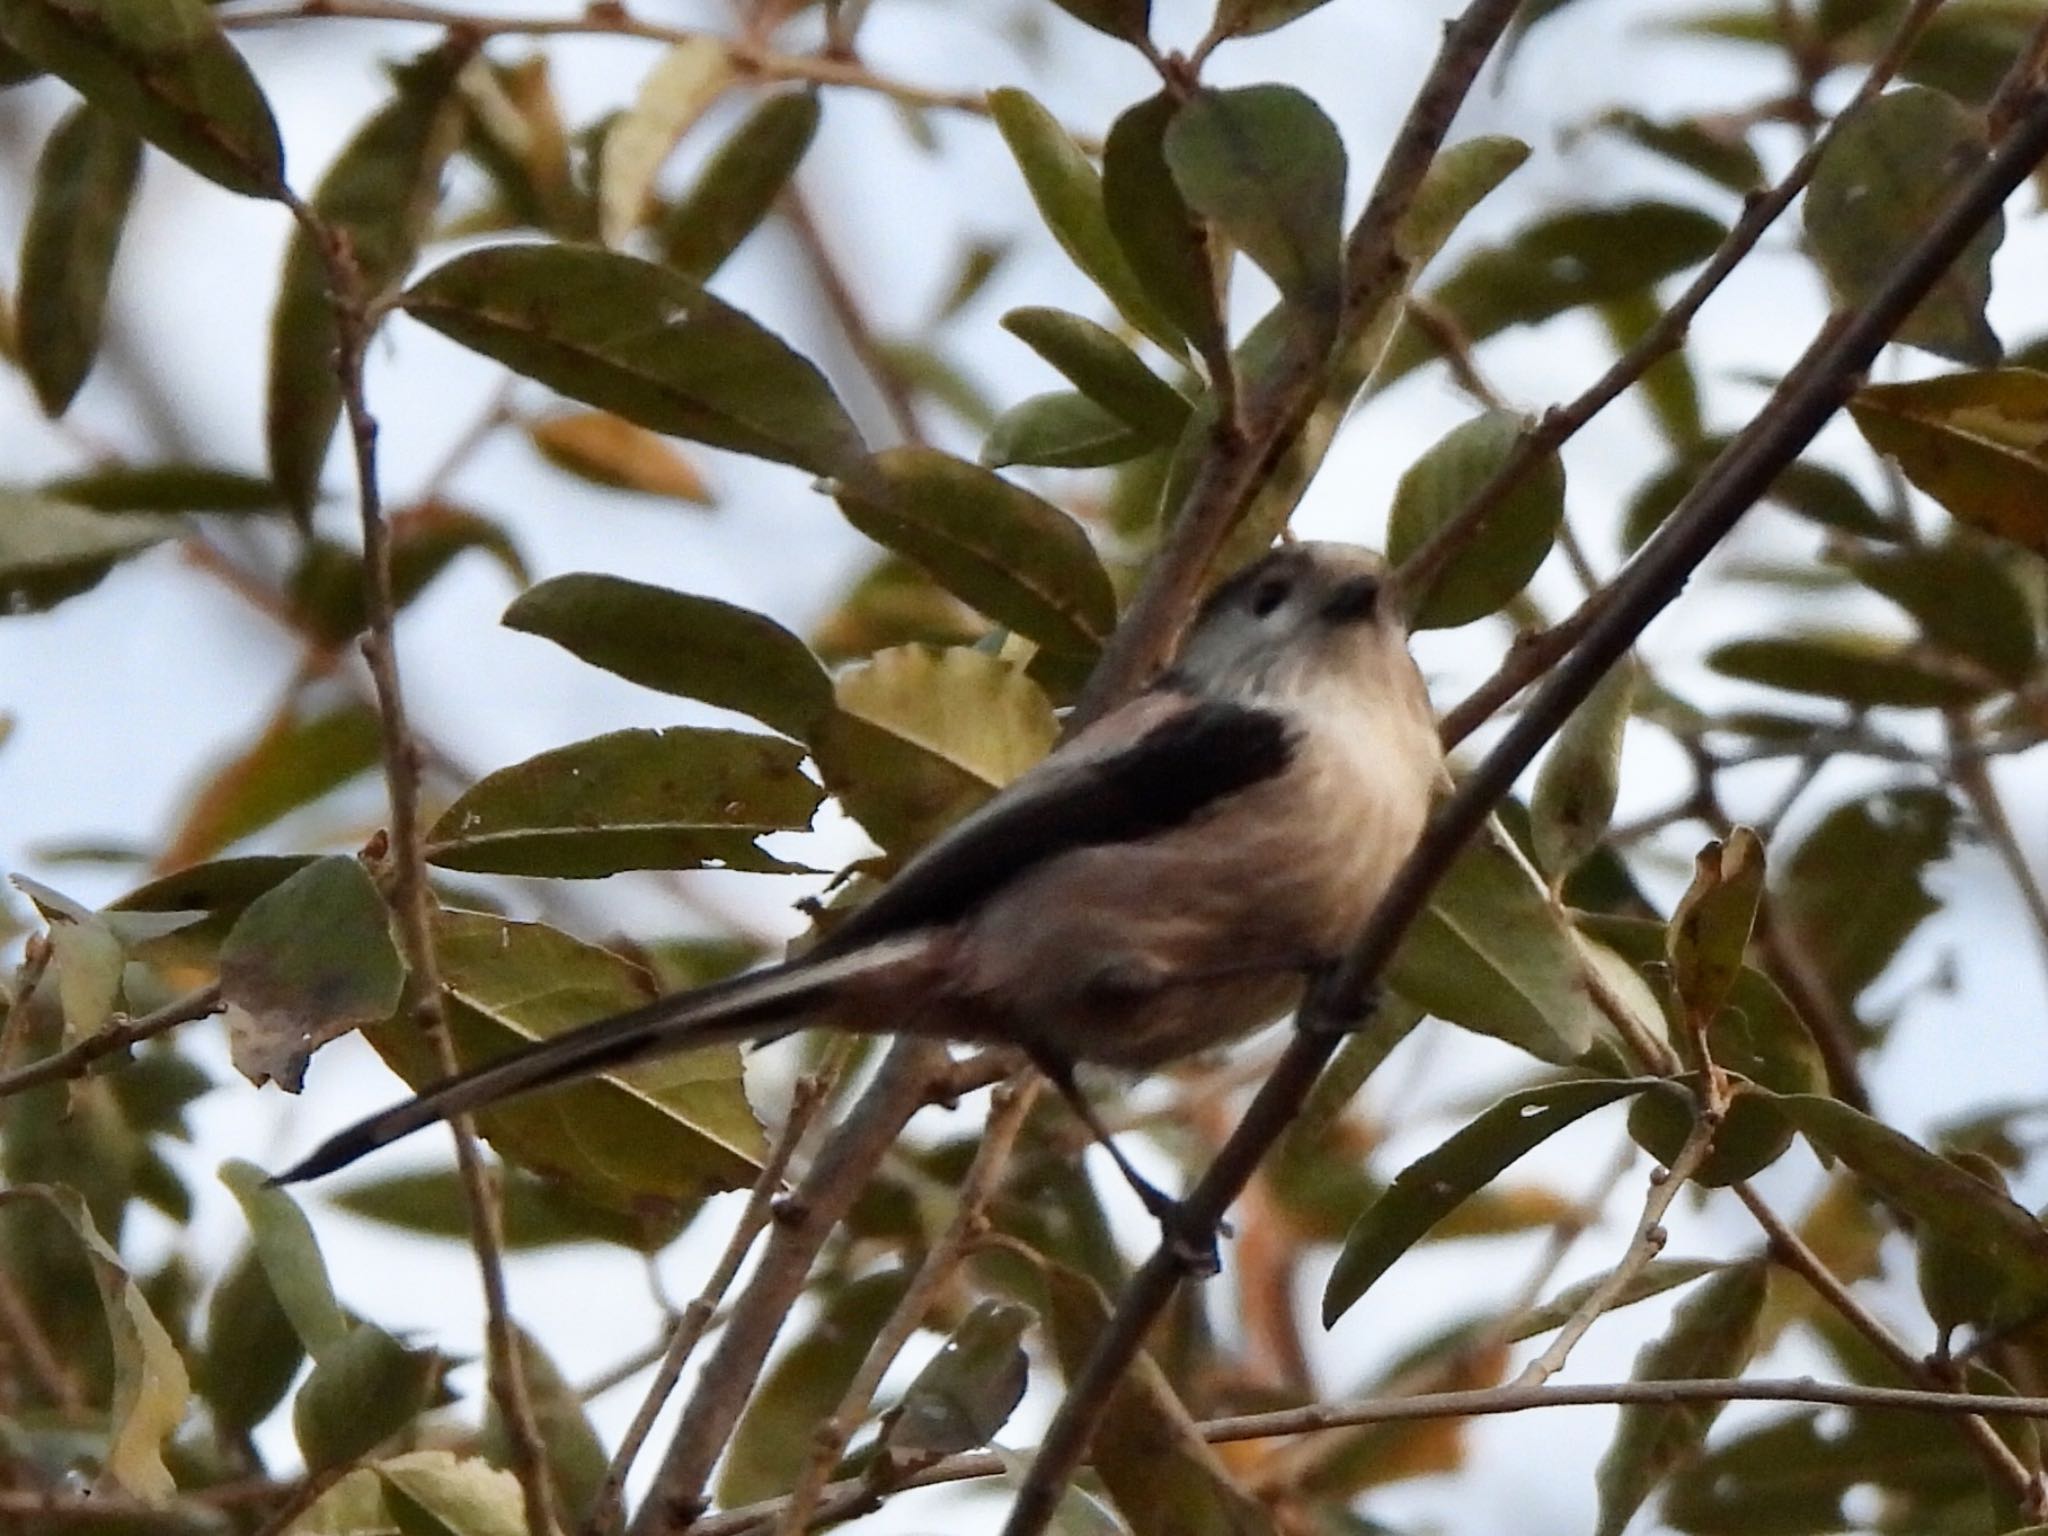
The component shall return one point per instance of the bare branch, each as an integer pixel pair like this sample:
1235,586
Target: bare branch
78,1059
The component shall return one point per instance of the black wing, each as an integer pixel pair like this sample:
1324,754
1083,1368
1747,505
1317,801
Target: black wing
1159,781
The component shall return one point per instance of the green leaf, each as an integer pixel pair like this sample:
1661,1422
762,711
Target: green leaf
1125,19
537,1213
645,1143
1103,369
681,798
289,1254
1265,164
694,647
1513,542
1432,1186
1947,1204
363,1390
293,762
775,1435
252,1353
1716,148
1069,197
684,84
1712,1335
1653,1279
222,889
166,488
1961,1289
150,1388
327,587
642,342
1976,442
1166,246
1061,430
1856,668
309,960
1966,598
1889,167
165,69
1581,777
968,1390
923,735
1248,18
739,185
1755,1035
380,193
85,181
1561,262
51,550
1020,560
1492,953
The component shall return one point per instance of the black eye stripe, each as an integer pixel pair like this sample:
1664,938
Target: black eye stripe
1269,594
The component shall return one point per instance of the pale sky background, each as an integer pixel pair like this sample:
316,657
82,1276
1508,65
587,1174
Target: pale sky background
124,697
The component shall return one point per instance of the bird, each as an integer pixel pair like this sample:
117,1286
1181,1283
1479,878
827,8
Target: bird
1168,878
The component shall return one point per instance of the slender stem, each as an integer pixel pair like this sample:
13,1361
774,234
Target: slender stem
1970,772
1478,1403
1647,1243
75,1061
1007,1112
614,20
811,1092
410,897
1790,1250
853,318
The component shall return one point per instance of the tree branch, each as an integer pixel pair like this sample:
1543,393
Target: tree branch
75,1061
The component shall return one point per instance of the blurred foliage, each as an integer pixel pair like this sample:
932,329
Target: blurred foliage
570,251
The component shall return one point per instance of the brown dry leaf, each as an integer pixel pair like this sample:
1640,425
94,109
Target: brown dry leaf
609,450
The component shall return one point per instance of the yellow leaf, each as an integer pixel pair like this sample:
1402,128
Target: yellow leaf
609,450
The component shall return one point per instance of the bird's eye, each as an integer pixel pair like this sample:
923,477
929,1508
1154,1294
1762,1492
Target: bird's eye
1268,595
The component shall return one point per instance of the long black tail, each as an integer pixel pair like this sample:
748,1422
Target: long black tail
743,1008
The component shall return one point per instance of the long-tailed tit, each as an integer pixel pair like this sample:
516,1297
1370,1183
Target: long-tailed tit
1164,880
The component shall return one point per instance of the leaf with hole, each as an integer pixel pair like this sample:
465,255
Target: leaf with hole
1431,1187
309,960
682,798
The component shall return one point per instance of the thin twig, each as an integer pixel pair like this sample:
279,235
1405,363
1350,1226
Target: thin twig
613,20
410,897
847,309
1791,1250
1008,1110
1647,1243
79,1058
1810,395
1478,1403
810,1094
1974,778
841,1171
20,1326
